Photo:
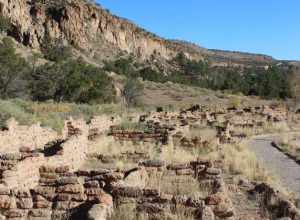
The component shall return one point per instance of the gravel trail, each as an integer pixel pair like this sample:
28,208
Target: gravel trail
277,163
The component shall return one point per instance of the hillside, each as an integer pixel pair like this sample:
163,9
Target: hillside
101,35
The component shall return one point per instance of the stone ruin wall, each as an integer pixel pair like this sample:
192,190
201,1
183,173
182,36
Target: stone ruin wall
25,173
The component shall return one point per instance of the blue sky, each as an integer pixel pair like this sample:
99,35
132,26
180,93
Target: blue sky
260,26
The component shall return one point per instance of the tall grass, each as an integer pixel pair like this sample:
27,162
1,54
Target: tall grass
51,114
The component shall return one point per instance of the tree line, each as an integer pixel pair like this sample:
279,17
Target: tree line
267,82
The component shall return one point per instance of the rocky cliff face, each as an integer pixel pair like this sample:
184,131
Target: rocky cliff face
82,25
93,29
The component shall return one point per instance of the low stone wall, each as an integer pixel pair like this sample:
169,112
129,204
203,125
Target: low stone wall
18,136
21,170
275,203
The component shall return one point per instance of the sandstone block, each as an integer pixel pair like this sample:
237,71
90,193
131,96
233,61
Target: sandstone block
92,184
131,192
93,191
152,163
184,172
40,213
47,169
14,213
67,180
4,191
213,171
45,191
5,202
63,169
70,189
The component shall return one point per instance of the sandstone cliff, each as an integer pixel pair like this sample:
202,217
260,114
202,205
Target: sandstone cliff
94,30
83,25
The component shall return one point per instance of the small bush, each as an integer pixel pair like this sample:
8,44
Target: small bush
132,91
13,68
5,24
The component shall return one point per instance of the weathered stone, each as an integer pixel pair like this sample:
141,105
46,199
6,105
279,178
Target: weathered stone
39,213
14,213
25,149
113,177
92,184
67,180
70,189
4,191
47,182
214,199
179,166
184,172
42,204
62,169
223,210
49,176
5,202
71,197
93,191
152,163
47,169
45,191
100,172
213,171
131,192
83,173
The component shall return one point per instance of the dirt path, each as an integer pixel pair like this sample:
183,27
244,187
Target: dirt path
286,169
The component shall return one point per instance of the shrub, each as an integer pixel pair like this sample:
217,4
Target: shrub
13,68
14,109
72,81
132,91
55,50
235,102
5,24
